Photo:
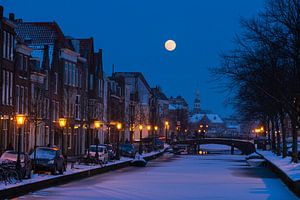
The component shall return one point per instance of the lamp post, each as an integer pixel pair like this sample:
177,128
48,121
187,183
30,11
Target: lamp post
97,125
149,129
20,118
149,134
119,127
155,136
141,136
155,130
62,124
166,129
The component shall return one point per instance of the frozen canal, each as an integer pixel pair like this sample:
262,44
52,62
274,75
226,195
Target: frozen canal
177,177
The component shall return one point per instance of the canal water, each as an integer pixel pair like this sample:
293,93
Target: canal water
211,176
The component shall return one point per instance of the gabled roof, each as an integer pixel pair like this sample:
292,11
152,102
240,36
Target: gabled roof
213,118
157,93
40,33
134,75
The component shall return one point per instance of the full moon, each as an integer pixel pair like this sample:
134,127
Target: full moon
170,45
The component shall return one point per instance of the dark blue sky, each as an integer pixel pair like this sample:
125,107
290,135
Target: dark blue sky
132,35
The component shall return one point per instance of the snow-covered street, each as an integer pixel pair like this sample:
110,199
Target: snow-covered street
177,177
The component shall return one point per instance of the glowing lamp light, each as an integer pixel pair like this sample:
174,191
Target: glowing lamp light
141,127
166,123
97,124
20,118
119,126
201,126
62,122
155,128
148,127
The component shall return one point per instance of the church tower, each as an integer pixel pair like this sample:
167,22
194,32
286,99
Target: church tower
197,103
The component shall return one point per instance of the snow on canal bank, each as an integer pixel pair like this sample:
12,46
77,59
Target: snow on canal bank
177,177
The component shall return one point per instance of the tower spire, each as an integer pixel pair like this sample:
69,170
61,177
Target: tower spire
197,103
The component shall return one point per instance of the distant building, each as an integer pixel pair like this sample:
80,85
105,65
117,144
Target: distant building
197,101
139,104
204,122
233,127
160,110
178,116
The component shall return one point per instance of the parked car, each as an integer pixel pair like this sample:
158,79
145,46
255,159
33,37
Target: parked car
158,144
11,156
49,159
102,152
111,153
127,150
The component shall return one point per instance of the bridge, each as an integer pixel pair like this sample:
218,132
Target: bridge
245,146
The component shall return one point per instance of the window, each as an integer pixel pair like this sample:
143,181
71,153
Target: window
17,99
77,107
21,99
26,100
66,73
10,88
76,77
7,86
47,80
69,74
80,79
4,44
86,82
55,112
3,87
73,74
25,65
91,81
7,45
46,108
100,87
55,83
12,39
69,140
21,61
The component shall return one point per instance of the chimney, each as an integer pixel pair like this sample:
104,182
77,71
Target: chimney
11,16
1,12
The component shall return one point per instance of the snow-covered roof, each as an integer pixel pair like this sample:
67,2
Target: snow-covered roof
213,118
175,106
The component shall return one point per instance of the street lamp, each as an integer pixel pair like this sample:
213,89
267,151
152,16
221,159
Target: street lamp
20,118
141,136
155,129
166,129
148,129
119,127
62,124
97,125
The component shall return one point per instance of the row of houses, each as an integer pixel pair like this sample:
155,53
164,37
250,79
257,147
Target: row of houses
46,76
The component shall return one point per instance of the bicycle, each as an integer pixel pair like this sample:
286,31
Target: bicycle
9,173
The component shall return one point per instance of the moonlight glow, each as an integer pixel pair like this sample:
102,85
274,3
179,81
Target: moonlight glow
170,45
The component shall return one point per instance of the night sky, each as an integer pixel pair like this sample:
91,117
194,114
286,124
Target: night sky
132,35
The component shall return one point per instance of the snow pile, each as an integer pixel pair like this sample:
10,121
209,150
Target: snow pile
292,170
77,168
